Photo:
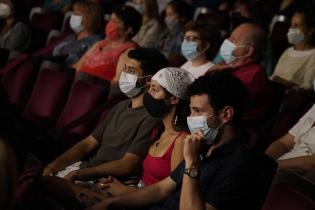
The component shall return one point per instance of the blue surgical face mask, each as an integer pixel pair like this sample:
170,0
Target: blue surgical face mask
226,51
189,49
201,122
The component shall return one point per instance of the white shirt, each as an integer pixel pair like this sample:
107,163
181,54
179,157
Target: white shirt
197,71
304,136
297,67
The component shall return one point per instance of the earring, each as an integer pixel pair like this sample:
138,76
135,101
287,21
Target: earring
175,120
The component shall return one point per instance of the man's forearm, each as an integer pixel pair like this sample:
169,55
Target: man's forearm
304,163
276,149
113,168
190,198
74,154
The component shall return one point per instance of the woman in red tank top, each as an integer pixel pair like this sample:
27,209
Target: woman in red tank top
103,58
165,99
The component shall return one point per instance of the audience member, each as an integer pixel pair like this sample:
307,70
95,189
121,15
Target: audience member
7,176
166,100
200,45
15,35
86,22
123,137
151,25
106,58
294,150
177,14
218,171
58,5
296,66
242,53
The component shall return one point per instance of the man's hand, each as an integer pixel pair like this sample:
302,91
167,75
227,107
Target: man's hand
192,148
71,177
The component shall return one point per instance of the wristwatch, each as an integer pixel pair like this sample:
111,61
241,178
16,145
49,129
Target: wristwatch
192,172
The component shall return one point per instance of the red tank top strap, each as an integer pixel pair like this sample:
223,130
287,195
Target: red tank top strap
170,148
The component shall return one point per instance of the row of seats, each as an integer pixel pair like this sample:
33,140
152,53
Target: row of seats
48,100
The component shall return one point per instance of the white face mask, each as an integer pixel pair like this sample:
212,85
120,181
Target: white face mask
295,36
127,84
201,122
76,23
226,51
5,10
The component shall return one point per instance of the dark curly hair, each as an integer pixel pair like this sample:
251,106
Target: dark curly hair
222,89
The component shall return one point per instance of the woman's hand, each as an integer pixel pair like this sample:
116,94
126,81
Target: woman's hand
114,187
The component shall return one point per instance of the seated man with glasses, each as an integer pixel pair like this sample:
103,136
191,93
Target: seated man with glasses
122,140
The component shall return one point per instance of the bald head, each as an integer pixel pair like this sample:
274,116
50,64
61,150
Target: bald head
250,34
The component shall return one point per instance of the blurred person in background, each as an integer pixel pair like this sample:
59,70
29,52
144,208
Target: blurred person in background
86,22
151,25
8,175
106,58
15,34
177,14
58,5
296,66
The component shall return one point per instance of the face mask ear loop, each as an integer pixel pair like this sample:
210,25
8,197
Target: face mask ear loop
143,86
242,56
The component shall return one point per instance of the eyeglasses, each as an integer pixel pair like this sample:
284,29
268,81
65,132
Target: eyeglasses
191,38
130,70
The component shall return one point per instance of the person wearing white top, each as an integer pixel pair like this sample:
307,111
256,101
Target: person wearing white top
296,66
296,149
200,45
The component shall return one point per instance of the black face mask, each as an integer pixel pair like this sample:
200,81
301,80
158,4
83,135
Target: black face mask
155,107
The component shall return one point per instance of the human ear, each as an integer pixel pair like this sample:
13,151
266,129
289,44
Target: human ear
173,100
227,114
203,46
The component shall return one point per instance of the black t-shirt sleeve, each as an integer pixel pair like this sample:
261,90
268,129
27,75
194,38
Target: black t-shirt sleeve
177,174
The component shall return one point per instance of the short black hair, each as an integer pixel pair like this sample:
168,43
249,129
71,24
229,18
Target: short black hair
223,89
130,18
151,60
